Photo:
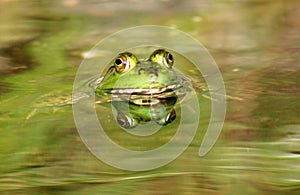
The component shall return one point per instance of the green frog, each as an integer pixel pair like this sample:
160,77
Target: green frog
143,90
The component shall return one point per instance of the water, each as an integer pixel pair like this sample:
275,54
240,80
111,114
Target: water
256,45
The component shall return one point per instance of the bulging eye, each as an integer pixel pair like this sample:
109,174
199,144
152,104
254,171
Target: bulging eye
168,59
162,57
124,62
120,64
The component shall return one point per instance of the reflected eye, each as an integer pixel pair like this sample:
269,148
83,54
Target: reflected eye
125,62
169,60
126,121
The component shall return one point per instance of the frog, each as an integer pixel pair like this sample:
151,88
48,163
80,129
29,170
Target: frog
143,90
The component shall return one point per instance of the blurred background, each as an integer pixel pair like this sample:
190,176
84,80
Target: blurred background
256,45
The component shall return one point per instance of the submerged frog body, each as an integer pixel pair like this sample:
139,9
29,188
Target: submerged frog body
143,90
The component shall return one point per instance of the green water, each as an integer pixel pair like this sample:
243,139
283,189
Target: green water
256,46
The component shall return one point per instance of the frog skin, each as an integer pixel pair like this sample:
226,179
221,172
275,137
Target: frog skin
143,89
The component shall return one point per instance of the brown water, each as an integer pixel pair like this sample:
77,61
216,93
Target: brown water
255,44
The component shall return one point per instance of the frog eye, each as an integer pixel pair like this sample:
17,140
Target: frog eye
162,57
124,62
168,59
121,64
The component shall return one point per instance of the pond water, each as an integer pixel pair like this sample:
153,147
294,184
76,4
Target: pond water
256,45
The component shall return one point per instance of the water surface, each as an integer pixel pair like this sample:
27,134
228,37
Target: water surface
256,45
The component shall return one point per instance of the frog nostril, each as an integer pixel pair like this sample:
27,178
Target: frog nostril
153,78
141,71
153,72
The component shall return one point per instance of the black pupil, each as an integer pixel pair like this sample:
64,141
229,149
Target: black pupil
170,57
118,61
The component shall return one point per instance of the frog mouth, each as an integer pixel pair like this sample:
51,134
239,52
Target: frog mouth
145,91
148,99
